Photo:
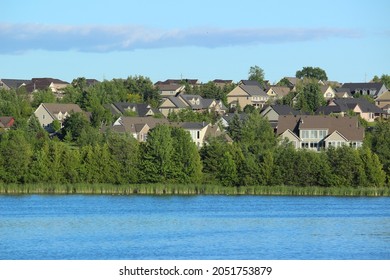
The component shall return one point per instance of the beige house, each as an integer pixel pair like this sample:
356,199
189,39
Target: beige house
193,102
328,92
383,100
167,90
315,132
243,95
139,127
55,85
49,112
278,92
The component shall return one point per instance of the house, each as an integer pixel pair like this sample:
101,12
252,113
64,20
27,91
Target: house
383,100
139,127
292,82
328,92
371,89
273,112
167,90
197,131
214,131
6,123
193,102
227,118
360,106
315,132
13,83
131,109
49,112
55,85
343,93
278,92
243,95
221,83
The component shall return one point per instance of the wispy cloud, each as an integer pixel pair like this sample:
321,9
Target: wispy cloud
17,38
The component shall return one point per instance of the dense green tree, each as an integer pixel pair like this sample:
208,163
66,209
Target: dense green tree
125,150
235,127
75,124
284,83
43,96
157,155
16,154
347,167
227,174
312,73
380,143
143,86
187,163
309,97
383,79
257,134
376,177
256,74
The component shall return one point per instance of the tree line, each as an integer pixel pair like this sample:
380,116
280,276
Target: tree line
28,155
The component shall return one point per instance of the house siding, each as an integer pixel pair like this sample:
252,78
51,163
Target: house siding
44,118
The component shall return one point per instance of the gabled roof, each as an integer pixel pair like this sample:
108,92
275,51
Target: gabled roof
193,125
43,83
55,108
280,91
355,86
169,87
177,101
15,83
140,109
249,83
6,122
130,124
282,109
253,90
384,96
220,81
229,116
349,103
347,126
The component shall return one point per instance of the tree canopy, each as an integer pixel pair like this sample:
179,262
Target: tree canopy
312,73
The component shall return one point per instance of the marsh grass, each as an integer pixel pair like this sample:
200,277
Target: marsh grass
186,189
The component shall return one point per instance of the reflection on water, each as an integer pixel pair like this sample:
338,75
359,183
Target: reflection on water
193,227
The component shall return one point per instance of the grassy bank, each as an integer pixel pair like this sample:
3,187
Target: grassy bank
186,189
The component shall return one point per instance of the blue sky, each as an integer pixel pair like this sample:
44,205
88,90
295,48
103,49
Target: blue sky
206,40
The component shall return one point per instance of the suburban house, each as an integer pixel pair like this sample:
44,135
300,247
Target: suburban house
167,90
360,106
320,132
49,112
13,83
372,89
227,118
139,127
192,102
278,92
6,123
343,93
273,112
328,92
243,95
383,100
55,85
131,109
292,82
221,83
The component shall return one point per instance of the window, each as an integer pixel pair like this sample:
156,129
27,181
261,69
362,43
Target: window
43,117
313,134
198,134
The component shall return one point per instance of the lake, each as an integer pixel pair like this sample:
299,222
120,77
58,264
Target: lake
45,227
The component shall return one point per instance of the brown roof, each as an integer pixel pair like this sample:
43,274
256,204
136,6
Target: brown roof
55,108
281,91
384,96
133,123
347,126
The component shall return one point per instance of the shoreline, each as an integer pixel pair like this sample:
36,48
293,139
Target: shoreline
187,189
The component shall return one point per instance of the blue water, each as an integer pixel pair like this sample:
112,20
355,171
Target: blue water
193,227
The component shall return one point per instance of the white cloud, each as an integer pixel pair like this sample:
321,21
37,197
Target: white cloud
16,38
